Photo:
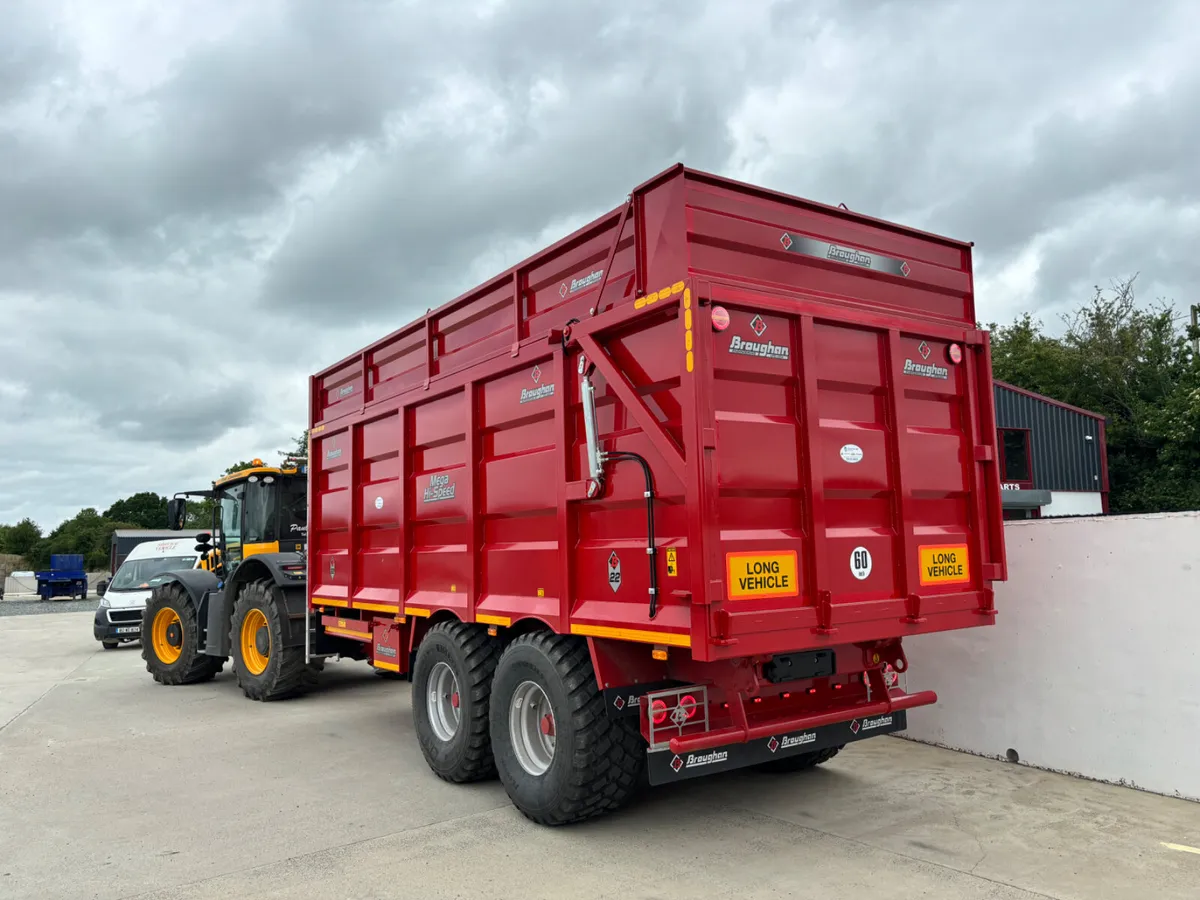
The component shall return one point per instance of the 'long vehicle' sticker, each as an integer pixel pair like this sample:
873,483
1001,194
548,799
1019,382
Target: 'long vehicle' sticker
757,574
944,564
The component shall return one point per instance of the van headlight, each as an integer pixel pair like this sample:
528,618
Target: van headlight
104,603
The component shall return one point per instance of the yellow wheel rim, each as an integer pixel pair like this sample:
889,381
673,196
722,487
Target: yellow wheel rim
255,662
163,649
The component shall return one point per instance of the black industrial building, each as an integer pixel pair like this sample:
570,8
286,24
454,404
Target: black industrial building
1053,460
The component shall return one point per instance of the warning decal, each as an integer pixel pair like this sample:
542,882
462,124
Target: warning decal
754,575
672,563
944,564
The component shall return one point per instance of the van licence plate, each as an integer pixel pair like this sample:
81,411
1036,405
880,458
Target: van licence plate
129,629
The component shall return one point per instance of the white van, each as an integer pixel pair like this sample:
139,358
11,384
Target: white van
119,616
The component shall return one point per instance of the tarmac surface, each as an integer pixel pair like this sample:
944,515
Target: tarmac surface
112,786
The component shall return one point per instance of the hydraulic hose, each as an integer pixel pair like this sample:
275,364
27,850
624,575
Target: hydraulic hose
651,549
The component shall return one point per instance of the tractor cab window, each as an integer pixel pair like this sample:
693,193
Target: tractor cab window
261,518
293,511
231,500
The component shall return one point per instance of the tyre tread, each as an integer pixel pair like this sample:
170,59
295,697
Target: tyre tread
201,667
294,676
481,653
610,754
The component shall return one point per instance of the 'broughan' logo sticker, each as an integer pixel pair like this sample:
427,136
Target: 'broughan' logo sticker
847,256
762,349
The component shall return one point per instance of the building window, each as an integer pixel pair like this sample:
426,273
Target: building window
1015,442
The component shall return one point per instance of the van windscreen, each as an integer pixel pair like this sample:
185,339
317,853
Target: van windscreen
135,574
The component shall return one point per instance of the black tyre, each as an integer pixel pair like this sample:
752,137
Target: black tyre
265,668
171,639
109,645
559,756
452,682
800,761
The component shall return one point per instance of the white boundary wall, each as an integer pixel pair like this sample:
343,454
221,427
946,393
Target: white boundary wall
1093,665
1074,503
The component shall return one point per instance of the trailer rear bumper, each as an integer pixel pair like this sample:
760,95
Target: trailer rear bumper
700,756
765,730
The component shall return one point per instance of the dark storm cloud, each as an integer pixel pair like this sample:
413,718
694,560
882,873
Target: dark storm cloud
31,53
629,98
195,418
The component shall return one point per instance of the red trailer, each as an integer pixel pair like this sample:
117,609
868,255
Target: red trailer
667,495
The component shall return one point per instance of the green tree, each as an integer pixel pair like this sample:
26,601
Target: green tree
1134,365
88,533
21,538
299,449
145,510
199,514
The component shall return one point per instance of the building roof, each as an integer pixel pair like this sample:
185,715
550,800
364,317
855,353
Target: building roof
1019,390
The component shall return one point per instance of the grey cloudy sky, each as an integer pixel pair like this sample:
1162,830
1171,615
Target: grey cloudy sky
203,202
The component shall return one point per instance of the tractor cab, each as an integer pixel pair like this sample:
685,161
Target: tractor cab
262,509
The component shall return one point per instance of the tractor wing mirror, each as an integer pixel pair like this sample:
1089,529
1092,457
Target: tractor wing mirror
176,513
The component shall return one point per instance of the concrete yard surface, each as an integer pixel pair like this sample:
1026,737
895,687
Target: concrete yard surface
112,786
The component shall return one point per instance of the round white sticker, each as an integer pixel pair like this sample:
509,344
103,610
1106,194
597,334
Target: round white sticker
851,453
379,503
860,563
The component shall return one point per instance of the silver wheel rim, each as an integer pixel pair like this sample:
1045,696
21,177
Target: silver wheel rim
442,700
531,727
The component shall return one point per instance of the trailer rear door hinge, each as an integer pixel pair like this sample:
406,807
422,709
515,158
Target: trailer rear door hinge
985,453
914,616
708,438
720,636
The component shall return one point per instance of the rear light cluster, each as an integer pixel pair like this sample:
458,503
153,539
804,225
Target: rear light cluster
676,712
687,703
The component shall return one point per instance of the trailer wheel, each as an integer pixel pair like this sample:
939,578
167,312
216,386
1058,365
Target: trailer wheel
171,639
265,669
452,683
560,757
800,761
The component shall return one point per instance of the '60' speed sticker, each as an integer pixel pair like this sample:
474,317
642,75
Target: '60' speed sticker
860,563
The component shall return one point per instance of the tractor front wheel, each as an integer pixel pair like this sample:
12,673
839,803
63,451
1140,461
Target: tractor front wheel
171,639
266,669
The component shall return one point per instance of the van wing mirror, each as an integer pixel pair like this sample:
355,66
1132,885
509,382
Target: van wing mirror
176,513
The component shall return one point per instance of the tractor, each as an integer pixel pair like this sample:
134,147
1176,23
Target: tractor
248,600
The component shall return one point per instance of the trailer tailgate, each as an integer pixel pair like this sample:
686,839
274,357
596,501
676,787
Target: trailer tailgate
850,487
